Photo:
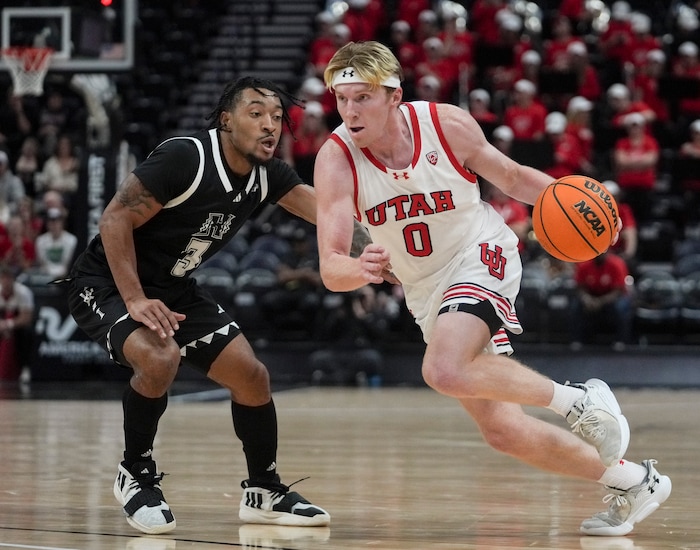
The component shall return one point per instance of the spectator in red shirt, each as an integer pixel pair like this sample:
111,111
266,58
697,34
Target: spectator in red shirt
429,88
340,35
554,49
586,74
645,85
620,99
642,41
410,10
17,250
438,64
459,42
407,52
322,42
515,213
687,64
626,244
602,301
615,40
566,148
480,107
635,159
364,18
526,114
428,26
299,151
578,115
483,19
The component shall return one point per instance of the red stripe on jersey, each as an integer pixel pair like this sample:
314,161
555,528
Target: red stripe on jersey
417,139
466,174
351,162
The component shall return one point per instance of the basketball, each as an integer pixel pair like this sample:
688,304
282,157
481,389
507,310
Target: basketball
575,218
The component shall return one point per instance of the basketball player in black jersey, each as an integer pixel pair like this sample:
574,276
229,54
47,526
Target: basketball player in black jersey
131,290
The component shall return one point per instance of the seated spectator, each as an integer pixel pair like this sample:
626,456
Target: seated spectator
526,115
578,115
56,247
429,88
55,119
437,63
500,76
586,74
621,101
407,52
17,250
480,108
34,224
502,139
319,57
554,49
459,41
516,214
483,19
295,301
627,242
299,150
691,148
615,40
635,160
16,325
61,169
642,42
365,19
645,87
29,164
568,157
428,26
687,65
11,189
602,302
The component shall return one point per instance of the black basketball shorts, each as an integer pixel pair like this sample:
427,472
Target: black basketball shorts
101,313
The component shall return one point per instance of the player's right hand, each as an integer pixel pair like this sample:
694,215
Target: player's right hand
155,315
374,260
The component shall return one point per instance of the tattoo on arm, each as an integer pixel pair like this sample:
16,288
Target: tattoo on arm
135,197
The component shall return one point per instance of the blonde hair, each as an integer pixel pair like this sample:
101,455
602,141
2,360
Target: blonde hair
374,63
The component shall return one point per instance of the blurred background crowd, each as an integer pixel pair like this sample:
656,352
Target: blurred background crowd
606,89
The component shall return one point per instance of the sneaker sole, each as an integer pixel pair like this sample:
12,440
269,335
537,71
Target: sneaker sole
253,515
157,530
644,512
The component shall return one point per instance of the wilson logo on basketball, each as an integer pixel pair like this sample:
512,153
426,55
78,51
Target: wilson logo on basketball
603,194
591,217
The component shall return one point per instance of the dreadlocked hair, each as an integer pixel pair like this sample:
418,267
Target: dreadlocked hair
232,94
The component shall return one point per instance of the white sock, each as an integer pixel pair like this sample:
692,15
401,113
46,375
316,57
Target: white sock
564,398
623,475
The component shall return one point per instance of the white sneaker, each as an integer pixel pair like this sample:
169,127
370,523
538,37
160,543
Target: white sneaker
630,506
275,504
141,496
598,418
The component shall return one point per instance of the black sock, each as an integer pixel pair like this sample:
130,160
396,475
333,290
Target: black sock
256,427
141,416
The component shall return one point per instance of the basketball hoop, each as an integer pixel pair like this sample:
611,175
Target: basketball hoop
28,67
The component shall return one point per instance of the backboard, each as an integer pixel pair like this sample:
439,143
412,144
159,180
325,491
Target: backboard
86,35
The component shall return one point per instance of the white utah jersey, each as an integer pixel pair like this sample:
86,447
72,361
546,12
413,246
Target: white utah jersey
430,215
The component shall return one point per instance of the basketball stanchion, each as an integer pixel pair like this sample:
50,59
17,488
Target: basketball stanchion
28,67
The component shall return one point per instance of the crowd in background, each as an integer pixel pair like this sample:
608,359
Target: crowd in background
610,90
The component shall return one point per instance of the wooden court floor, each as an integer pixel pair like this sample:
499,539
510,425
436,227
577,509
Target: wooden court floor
398,469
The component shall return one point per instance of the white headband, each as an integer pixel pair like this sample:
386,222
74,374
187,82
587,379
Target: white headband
349,75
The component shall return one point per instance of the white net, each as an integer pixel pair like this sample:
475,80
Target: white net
28,67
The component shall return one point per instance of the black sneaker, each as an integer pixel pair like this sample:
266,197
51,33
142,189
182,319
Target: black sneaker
274,504
139,492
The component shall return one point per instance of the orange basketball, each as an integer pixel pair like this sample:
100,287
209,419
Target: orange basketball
575,218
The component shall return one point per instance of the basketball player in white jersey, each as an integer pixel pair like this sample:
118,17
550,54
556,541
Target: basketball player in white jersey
407,171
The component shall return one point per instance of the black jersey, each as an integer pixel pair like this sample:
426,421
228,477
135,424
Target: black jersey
204,205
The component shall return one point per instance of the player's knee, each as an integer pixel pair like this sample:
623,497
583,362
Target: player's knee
500,437
446,378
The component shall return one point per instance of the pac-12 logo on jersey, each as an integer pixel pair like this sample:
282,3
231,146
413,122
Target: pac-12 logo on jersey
432,157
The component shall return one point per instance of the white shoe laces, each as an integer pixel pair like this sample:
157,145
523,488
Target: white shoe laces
589,426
